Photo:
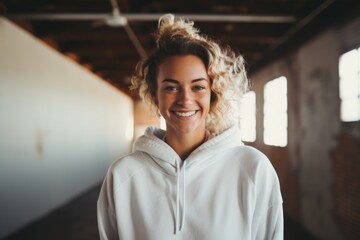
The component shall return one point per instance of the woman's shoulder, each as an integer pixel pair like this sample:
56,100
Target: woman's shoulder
128,165
132,159
253,161
248,155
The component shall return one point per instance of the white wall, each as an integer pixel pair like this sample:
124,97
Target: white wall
60,128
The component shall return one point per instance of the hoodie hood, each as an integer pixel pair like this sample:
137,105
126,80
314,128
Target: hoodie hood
152,144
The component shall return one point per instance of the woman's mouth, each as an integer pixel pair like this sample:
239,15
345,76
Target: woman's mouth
184,114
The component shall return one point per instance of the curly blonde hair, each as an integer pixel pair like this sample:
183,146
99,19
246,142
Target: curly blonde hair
225,69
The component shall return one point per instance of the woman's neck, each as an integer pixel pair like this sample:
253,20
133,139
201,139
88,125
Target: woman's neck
184,144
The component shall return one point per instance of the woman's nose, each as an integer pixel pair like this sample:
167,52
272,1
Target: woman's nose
184,97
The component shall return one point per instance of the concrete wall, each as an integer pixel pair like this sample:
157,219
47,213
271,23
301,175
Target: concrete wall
306,165
60,128
319,115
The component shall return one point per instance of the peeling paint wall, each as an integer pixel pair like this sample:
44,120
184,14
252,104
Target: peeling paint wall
319,115
314,128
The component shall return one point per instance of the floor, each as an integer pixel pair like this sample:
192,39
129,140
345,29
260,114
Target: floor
77,220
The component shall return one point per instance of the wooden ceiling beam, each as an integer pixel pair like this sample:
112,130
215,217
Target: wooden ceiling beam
70,6
265,7
122,77
240,39
52,29
119,68
110,54
113,38
111,63
123,57
113,35
246,30
100,45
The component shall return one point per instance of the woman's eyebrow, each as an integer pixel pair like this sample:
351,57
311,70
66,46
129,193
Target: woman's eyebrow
199,79
176,81
170,80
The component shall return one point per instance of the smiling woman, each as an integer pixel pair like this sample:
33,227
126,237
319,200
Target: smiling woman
224,70
183,97
196,180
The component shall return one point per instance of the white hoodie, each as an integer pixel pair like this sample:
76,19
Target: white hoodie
223,190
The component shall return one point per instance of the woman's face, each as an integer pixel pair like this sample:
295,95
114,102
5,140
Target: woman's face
183,94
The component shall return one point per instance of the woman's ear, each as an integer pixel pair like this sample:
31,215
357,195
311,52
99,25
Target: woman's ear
213,97
214,100
156,101
156,105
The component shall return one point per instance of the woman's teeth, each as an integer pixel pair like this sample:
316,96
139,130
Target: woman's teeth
185,114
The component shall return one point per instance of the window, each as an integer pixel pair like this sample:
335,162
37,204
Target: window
248,117
349,86
275,112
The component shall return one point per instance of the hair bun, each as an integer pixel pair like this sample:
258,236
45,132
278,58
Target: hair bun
170,29
166,19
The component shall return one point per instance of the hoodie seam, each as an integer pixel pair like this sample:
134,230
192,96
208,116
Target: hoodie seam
140,170
131,176
157,166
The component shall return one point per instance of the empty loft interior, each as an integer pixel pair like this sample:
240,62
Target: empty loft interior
67,112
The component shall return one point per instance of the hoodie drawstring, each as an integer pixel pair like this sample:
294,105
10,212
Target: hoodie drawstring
181,173
184,192
177,197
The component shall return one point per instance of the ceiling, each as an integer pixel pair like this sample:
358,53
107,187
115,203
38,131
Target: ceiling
260,30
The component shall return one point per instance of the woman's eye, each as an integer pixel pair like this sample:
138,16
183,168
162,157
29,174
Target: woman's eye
199,88
170,88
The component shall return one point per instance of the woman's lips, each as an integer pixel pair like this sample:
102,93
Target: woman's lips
184,114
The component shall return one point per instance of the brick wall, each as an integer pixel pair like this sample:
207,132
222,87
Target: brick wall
346,185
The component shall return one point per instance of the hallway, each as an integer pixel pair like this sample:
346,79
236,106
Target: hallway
77,220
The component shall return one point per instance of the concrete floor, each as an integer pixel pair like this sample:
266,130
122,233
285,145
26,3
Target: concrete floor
77,220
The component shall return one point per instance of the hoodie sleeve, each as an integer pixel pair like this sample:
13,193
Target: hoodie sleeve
106,217
268,222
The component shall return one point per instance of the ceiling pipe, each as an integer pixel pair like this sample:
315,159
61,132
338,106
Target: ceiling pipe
135,42
135,17
118,19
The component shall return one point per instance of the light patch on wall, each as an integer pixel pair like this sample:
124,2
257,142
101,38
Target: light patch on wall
39,144
129,129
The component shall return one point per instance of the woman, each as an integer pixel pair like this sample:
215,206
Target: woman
196,180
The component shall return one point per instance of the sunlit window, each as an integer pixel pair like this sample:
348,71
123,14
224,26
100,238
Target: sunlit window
275,112
349,85
248,117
